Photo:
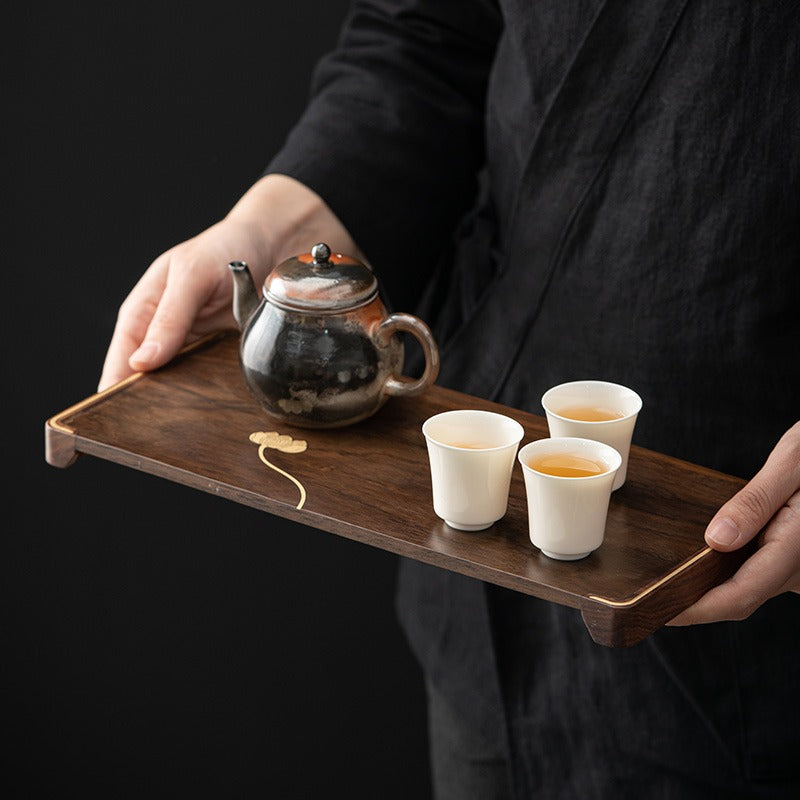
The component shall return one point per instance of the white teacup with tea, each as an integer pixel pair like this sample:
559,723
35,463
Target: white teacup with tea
599,410
568,484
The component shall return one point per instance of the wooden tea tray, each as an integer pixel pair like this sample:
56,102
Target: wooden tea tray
191,422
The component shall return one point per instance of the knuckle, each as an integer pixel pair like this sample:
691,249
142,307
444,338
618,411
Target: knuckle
743,596
183,263
787,451
745,605
136,314
134,307
126,306
793,450
756,503
792,436
789,514
167,322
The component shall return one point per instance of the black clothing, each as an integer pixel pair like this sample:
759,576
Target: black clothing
575,189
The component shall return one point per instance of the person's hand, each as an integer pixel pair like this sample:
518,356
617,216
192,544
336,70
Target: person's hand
187,291
184,294
767,507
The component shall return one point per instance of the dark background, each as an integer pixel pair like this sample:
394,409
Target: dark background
157,640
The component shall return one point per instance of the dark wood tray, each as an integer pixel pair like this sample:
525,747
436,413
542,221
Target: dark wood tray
191,422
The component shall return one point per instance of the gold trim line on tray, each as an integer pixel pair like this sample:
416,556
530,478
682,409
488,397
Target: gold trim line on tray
284,443
653,586
55,421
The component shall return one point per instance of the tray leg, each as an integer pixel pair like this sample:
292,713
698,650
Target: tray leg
59,445
624,623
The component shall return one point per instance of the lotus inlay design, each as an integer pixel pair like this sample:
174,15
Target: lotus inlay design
284,443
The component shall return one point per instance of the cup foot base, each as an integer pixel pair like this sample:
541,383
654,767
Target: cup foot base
566,556
460,526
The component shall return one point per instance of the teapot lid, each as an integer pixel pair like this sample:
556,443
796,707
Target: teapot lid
320,281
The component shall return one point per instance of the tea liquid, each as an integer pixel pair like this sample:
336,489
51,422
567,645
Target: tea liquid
567,465
590,413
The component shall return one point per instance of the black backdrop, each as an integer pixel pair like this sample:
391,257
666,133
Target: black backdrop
156,639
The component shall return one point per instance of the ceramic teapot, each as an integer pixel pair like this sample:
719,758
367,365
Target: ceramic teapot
319,349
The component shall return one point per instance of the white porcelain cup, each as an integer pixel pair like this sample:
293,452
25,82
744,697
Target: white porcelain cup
471,454
618,404
567,515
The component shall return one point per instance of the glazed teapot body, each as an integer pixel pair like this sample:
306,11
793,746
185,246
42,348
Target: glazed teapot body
319,348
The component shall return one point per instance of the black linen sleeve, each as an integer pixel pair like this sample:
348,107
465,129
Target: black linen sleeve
393,135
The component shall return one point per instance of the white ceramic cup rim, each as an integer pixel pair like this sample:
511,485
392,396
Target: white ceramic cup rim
610,456
513,439
631,395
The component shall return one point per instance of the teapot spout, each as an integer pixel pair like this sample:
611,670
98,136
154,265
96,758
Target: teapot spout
245,296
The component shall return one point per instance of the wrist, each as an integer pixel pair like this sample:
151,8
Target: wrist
291,218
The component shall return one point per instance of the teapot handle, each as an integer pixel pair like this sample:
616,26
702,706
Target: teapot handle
402,384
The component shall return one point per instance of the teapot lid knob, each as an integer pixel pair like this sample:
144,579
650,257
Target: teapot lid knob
321,253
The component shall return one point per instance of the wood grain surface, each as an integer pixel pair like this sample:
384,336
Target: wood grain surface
191,422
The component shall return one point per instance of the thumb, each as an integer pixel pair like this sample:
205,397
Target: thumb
751,508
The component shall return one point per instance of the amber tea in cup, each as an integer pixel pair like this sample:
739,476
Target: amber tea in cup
590,413
567,465
568,484
599,410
